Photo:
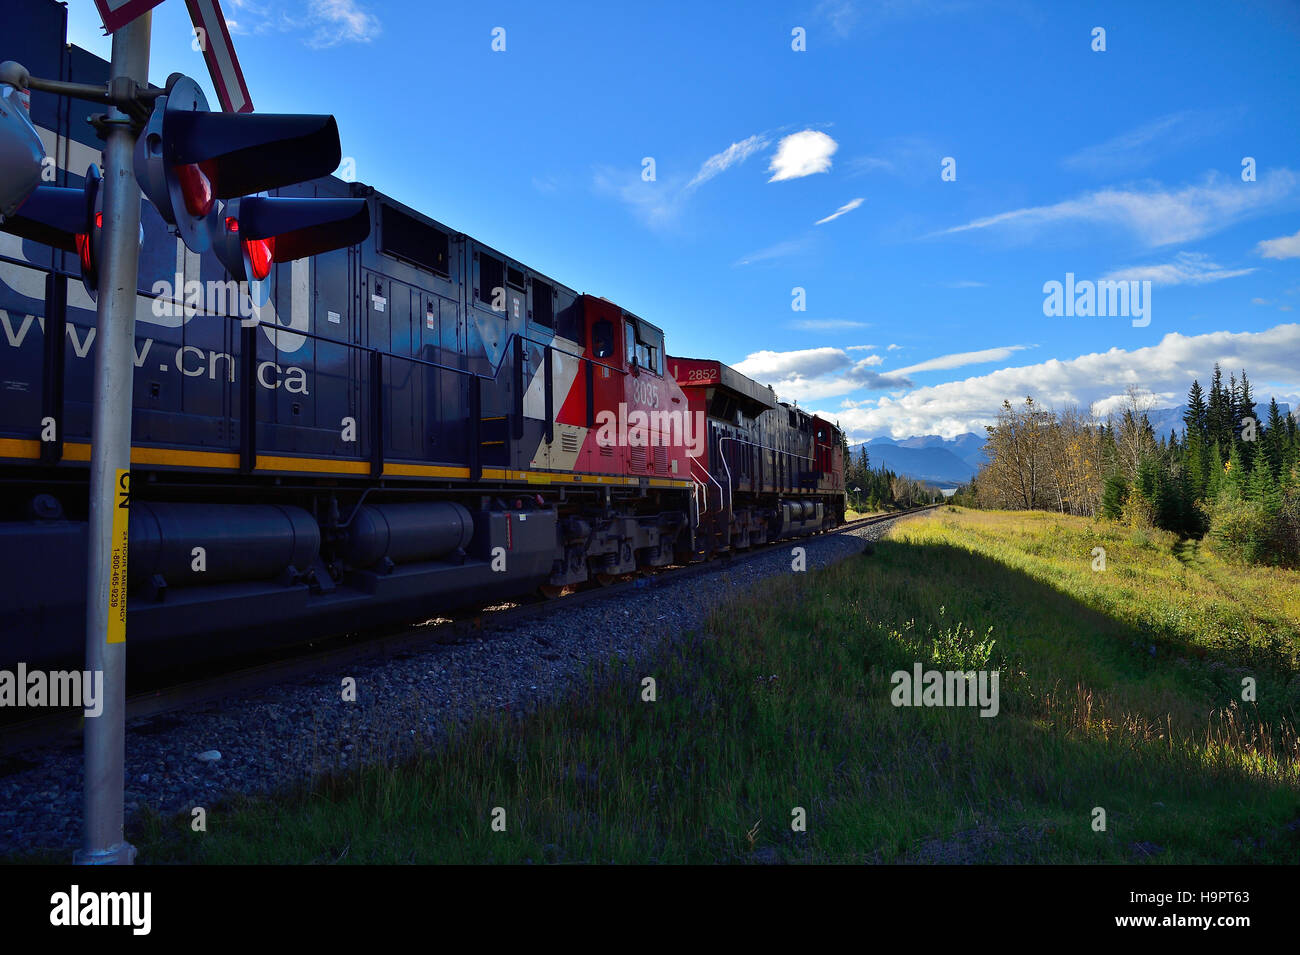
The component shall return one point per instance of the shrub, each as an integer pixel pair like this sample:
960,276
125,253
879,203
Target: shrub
1240,529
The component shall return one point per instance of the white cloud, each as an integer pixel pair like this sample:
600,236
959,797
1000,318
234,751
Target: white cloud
779,364
893,347
341,21
802,154
847,207
1115,404
1156,215
1188,268
959,359
966,284
814,373
1286,247
1168,367
861,348
733,154
1260,301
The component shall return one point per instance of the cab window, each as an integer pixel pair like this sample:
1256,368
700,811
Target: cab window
602,339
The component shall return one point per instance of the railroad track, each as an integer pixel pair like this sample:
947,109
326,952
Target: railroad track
305,660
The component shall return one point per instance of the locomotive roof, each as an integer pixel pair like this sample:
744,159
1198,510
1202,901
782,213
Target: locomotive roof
741,386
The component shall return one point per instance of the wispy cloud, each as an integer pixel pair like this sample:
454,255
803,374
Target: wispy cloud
733,154
911,158
840,14
805,153
961,359
341,21
1286,247
1188,268
847,16
828,324
657,204
780,250
320,23
966,284
847,207
1156,215
1141,146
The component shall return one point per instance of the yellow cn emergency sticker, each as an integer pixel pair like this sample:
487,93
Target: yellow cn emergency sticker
117,582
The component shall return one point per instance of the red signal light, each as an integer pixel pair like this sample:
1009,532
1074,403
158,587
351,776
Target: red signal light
261,255
85,247
196,187
83,251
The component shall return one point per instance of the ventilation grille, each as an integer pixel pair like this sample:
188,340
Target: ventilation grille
638,459
661,459
569,442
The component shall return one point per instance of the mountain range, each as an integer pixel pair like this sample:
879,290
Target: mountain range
944,462
947,462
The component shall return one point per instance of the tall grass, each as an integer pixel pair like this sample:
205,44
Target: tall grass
1120,689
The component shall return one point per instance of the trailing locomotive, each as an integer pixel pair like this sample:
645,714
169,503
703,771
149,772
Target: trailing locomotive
407,425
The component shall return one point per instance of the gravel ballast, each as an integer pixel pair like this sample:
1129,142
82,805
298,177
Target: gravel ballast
262,740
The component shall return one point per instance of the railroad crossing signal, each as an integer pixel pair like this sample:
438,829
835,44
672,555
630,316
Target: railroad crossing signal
186,160
252,233
188,157
213,37
66,218
22,155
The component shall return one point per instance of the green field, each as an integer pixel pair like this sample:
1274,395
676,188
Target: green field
1119,689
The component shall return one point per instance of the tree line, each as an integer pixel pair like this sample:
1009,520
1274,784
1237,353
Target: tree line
1225,474
879,489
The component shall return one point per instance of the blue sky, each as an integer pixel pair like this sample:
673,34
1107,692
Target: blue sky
924,297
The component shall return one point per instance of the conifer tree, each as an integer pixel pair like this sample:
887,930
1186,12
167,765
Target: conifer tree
1196,417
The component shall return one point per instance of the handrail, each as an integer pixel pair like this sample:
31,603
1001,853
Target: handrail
705,471
763,447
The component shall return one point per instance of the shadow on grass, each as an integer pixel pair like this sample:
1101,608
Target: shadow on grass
771,738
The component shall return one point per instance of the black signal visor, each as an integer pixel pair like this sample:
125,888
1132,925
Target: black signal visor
304,227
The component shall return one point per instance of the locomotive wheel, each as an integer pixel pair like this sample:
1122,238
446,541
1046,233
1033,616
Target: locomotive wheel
606,579
552,591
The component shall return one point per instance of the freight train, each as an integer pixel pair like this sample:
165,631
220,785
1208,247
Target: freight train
407,425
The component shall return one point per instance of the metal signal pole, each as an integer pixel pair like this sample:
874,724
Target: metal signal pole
110,462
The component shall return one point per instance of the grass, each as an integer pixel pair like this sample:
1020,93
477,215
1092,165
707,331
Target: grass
1119,689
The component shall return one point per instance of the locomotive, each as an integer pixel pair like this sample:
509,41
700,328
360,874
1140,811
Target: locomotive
407,425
